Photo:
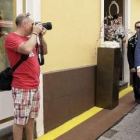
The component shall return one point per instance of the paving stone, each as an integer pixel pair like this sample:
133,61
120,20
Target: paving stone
109,133
127,129
104,138
121,136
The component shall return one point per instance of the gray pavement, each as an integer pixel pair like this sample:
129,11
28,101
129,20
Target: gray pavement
126,129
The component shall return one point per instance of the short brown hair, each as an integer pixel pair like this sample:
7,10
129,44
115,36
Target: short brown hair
116,16
137,23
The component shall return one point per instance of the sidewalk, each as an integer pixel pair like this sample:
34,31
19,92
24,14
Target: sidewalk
127,129
92,124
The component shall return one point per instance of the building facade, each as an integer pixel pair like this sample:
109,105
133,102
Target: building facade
68,77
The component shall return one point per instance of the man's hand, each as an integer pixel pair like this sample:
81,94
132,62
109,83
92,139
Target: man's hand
37,28
138,72
43,31
133,70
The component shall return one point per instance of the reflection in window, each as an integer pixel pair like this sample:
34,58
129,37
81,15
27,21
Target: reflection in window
6,26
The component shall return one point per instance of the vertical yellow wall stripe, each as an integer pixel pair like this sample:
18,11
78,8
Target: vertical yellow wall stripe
134,10
14,13
24,6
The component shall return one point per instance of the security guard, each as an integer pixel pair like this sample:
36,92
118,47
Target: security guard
132,42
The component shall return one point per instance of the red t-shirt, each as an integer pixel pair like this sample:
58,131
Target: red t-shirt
26,76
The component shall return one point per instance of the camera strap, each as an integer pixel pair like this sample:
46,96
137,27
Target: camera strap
23,58
40,53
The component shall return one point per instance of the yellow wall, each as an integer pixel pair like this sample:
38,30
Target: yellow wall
134,10
76,25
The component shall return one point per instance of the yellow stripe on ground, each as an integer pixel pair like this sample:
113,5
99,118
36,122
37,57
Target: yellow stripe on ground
77,120
70,124
125,91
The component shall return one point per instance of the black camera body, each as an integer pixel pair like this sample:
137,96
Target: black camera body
47,25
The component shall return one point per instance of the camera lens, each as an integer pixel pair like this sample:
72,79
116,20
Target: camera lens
47,25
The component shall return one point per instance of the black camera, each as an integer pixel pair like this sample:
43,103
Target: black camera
47,25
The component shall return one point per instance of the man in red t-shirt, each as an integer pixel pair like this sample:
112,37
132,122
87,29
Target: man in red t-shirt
25,83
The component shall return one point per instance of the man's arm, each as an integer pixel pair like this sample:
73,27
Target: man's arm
130,55
28,46
45,51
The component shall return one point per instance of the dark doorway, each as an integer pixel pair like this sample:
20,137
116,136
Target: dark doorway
113,8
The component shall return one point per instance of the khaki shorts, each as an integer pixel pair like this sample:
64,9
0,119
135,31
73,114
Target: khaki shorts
26,104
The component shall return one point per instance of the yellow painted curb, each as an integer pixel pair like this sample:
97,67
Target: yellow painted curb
70,124
125,91
77,120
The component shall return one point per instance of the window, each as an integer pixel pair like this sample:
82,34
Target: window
6,26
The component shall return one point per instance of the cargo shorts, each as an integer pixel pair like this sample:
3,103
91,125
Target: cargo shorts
26,104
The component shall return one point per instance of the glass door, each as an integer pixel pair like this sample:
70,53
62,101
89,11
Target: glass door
6,26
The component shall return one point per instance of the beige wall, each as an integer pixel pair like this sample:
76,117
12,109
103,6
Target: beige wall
134,10
76,25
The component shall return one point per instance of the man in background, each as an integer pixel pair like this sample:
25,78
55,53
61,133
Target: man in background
132,42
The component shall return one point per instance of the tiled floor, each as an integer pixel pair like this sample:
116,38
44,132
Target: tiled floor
127,129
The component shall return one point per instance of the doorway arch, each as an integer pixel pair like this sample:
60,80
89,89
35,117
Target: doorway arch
125,11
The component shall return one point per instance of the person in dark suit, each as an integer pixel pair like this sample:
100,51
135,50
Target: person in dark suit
132,43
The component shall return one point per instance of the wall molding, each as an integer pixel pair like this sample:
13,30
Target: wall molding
6,120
